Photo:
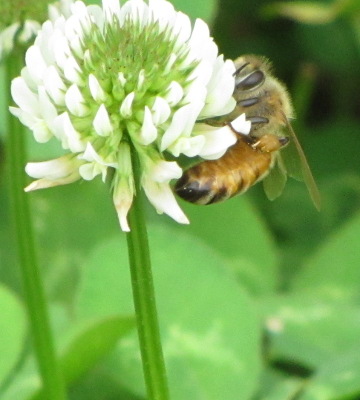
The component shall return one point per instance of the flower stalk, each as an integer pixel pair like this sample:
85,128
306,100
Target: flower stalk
32,285
144,295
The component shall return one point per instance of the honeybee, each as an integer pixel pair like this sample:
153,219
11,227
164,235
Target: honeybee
270,152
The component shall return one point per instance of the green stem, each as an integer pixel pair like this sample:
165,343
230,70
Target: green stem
32,284
144,297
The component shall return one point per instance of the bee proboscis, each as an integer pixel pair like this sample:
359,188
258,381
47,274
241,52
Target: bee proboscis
259,155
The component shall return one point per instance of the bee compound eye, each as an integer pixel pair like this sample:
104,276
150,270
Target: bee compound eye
251,81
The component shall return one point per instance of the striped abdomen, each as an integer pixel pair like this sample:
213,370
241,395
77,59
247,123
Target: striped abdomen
239,168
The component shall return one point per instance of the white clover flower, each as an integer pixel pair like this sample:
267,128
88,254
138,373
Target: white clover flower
24,31
105,80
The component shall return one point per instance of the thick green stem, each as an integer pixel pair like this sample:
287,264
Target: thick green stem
32,284
144,297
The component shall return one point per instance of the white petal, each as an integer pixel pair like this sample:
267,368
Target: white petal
77,46
196,92
62,7
174,93
164,171
162,198
29,30
26,118
123,186
89,171
47,183
219,100
125,108
75,101
123,198
41,131
181,28
28,79
97,16
191,147
163,12
35,63
91,155
96,90
241,125
69,136
7,36
102,123
59,42
53,169
160,111
55,86
134,10
24,97
169,65
48,110
141,79
176,127
148,132
121,78
42,41
72,71
201,73
217,141
111,8
80,18
200,34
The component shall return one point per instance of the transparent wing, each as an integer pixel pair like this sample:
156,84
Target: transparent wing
275,181
298,167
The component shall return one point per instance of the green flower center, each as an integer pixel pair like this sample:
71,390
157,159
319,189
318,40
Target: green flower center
130,49
147,61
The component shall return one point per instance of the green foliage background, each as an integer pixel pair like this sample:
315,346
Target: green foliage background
257,300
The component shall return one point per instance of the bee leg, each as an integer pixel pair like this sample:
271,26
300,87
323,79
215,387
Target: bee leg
237,72
269,143
258,120
284,141
248,102
251,81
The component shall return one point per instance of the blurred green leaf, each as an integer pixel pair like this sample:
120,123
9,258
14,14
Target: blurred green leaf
13,329
69,221
335,268
89,344
277,386
339,53
308,329
209,327
339,378
100,384
205,10
236,230
301,11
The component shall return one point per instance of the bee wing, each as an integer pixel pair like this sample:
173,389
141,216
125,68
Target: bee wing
275,181
298,167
